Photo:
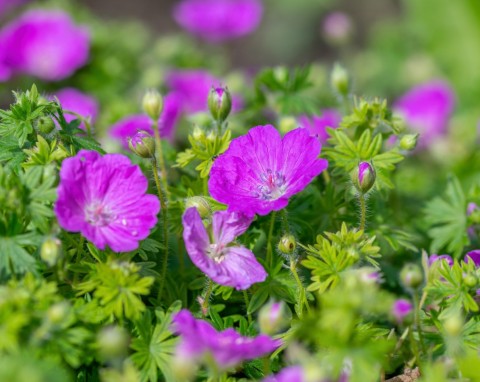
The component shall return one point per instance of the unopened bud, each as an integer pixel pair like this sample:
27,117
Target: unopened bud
219,103
198,134
50,251
470,280
287,124
142,144
287,244
409,141
184,366
363,177
453,325
201,204
57,313
45,125
153,104
112,343
340,80
411,276
273,318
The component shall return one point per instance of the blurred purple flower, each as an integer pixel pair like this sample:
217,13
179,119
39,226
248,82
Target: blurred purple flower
226,264
260,171
317,125
193,87
473,256
434,258
401,308
337,27
80,103
288,374
7,5
45,44
228,348
103,197
427,109
218,20
128,126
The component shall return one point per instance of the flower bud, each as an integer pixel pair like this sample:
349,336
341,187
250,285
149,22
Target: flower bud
58,312
219,103
273,318
401,309
453,325
287,244
112,343
363,177
142,144
287,124
470,280
50,251
153,104
337,28
340,80
45,125
201,204
411,276
198,134
408,141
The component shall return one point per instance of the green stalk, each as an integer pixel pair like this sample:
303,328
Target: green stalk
417,322
301,288
269,240
363,211
247,303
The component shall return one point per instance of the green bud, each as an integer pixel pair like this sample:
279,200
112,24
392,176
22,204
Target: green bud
411,276
58,312
287,244
470,280
273,318
142,144
340,80
453,325
153,104
112,343
50,251
363,177
219,103
45,125
198,134
287,124
201,204
408,141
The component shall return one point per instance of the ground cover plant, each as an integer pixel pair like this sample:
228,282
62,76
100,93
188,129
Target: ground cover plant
165,216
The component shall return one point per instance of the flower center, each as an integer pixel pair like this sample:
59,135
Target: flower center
273,185
98,214
215,252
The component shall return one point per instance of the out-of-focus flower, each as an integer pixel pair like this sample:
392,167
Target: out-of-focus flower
104,198
273,317
199,338
434,258
127,127
427,109
288,374
219,20
226,264
317,125
7,5
193,88
401,308
75,101
45,44
260,171
337,28
473,256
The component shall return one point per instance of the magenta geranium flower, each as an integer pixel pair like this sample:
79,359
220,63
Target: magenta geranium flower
473,256
45,44
199,338
127,127
219,20
401,309
193,87
104,198
288,374
434,258
220,259
317,125
260,171
427,109
75,101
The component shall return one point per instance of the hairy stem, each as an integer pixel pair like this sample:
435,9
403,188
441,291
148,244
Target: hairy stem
301,290
269,240
363,211
417,321
206,298
247,303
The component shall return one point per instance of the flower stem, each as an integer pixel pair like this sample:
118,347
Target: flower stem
247,303
206,298
301,290
363,211
417,321
269,240
159,156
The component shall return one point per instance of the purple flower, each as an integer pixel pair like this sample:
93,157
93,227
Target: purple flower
226,264
337,27
288,374
317,125
260,171
127,127
473,256
193,88
103,197
219,20
401,308
45,44
434,258
80,103
427,109
228,348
